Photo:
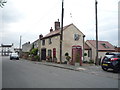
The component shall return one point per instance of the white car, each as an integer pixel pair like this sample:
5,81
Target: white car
14,56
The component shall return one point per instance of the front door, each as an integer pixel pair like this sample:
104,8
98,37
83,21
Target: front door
43,54
76,55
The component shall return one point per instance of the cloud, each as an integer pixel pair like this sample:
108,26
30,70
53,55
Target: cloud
10,13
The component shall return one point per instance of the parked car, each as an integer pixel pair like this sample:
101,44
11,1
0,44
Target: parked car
111,60
14,56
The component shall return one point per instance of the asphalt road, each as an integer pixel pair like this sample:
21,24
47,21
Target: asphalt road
24,74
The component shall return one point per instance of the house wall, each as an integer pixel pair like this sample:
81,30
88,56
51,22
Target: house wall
36,43
68,40
86,57
93,56
55,44
101,54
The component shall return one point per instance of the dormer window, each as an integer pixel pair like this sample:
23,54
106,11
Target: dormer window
76,37
104,45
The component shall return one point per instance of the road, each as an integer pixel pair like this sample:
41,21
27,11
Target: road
24,74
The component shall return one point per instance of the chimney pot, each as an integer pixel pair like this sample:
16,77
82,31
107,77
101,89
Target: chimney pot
40,36
51,29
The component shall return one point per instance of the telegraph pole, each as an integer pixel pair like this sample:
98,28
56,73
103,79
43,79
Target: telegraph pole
20,42
61,35
96,62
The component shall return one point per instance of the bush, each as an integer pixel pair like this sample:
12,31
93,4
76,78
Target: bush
85,61
66,54
85,54
34,51
68,58
37,58
91,62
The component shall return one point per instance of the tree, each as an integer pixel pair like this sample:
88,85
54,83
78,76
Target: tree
2,2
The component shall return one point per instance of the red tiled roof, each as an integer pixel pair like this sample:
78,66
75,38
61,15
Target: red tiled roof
56,32
102,45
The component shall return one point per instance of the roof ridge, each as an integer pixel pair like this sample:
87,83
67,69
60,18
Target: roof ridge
56,31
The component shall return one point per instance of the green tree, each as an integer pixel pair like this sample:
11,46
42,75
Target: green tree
34,51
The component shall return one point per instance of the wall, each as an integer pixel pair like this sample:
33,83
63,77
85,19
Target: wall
68,40
55,44
93,56
86,57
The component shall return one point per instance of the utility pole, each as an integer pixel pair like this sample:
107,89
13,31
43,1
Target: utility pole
61,35
20,42
96,62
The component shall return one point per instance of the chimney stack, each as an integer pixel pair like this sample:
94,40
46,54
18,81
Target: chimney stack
51,29
57,25
40,36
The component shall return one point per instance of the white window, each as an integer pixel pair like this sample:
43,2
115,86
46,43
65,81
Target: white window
76,37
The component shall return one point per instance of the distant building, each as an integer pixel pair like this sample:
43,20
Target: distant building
103,48
26,47
6,50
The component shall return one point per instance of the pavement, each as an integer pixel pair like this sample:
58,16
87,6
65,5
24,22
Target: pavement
87,68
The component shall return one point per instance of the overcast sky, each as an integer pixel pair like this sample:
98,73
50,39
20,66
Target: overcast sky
30,18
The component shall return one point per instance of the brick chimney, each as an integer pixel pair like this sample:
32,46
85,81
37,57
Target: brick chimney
51,29
57,25
40,36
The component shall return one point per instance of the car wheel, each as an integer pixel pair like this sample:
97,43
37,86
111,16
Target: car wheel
105,68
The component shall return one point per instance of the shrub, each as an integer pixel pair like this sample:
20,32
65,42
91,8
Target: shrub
91,62
85,54
37,58
85,61
68,58
34,51
66,54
